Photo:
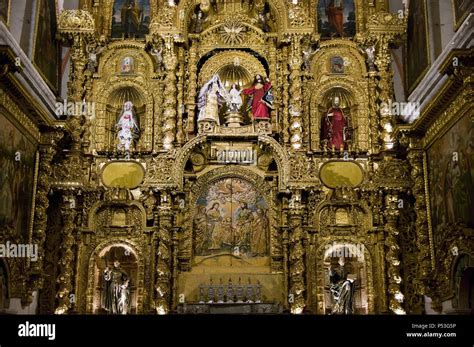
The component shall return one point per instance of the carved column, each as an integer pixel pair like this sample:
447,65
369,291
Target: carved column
415,158
374,115
66,260
285,125
47,151
272,60
296,258
392,254
180,87
296,129
383,30
169,103
164,257
191,86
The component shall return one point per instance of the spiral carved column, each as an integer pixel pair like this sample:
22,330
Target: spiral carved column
392,254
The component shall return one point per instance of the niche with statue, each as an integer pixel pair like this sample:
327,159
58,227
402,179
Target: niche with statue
125,109
337,131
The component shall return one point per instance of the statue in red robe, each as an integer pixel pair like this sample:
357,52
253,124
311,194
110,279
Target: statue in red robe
260,97
335,127
335,13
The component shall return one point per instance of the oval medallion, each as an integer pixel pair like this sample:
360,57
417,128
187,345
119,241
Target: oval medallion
341,174
123,174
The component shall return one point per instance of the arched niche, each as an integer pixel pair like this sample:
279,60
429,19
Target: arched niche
232,66
343,259
131,262
330,127
109,108
114,109
353,61
355,102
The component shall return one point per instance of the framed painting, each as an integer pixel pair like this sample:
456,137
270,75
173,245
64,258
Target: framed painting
336,18
5,6
231,217
461,9
46,47
130,18
417,59
451,177
18,162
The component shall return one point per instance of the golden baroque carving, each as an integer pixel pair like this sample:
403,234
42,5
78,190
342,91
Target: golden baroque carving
76,21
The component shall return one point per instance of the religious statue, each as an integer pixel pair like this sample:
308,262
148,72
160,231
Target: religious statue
371,57
215,232
342,290
130,16
211,97
245,220
93,52
308,55
235,99
199,21
261,98
117,293
127,126
335,13
335,127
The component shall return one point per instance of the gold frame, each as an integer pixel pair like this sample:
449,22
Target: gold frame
410,89
342,161
33,51
457,22
122,161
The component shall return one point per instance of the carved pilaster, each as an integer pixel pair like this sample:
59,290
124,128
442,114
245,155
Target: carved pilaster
415,158
272,60
47,151
392,254
285,124
164,258
191,86
169,103
296,126
66,260
180,88
296,258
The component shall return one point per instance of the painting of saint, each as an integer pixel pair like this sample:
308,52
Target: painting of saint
4,10
451,177
46,49
336,18
417,56
337,65
17,160
131,18
231,216
127,65
462,8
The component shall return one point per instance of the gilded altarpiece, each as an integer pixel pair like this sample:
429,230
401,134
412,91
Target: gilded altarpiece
193,226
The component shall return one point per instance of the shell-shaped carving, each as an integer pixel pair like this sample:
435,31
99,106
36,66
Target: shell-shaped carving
76,21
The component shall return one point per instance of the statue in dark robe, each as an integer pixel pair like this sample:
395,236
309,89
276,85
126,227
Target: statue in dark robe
342,290
117,293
